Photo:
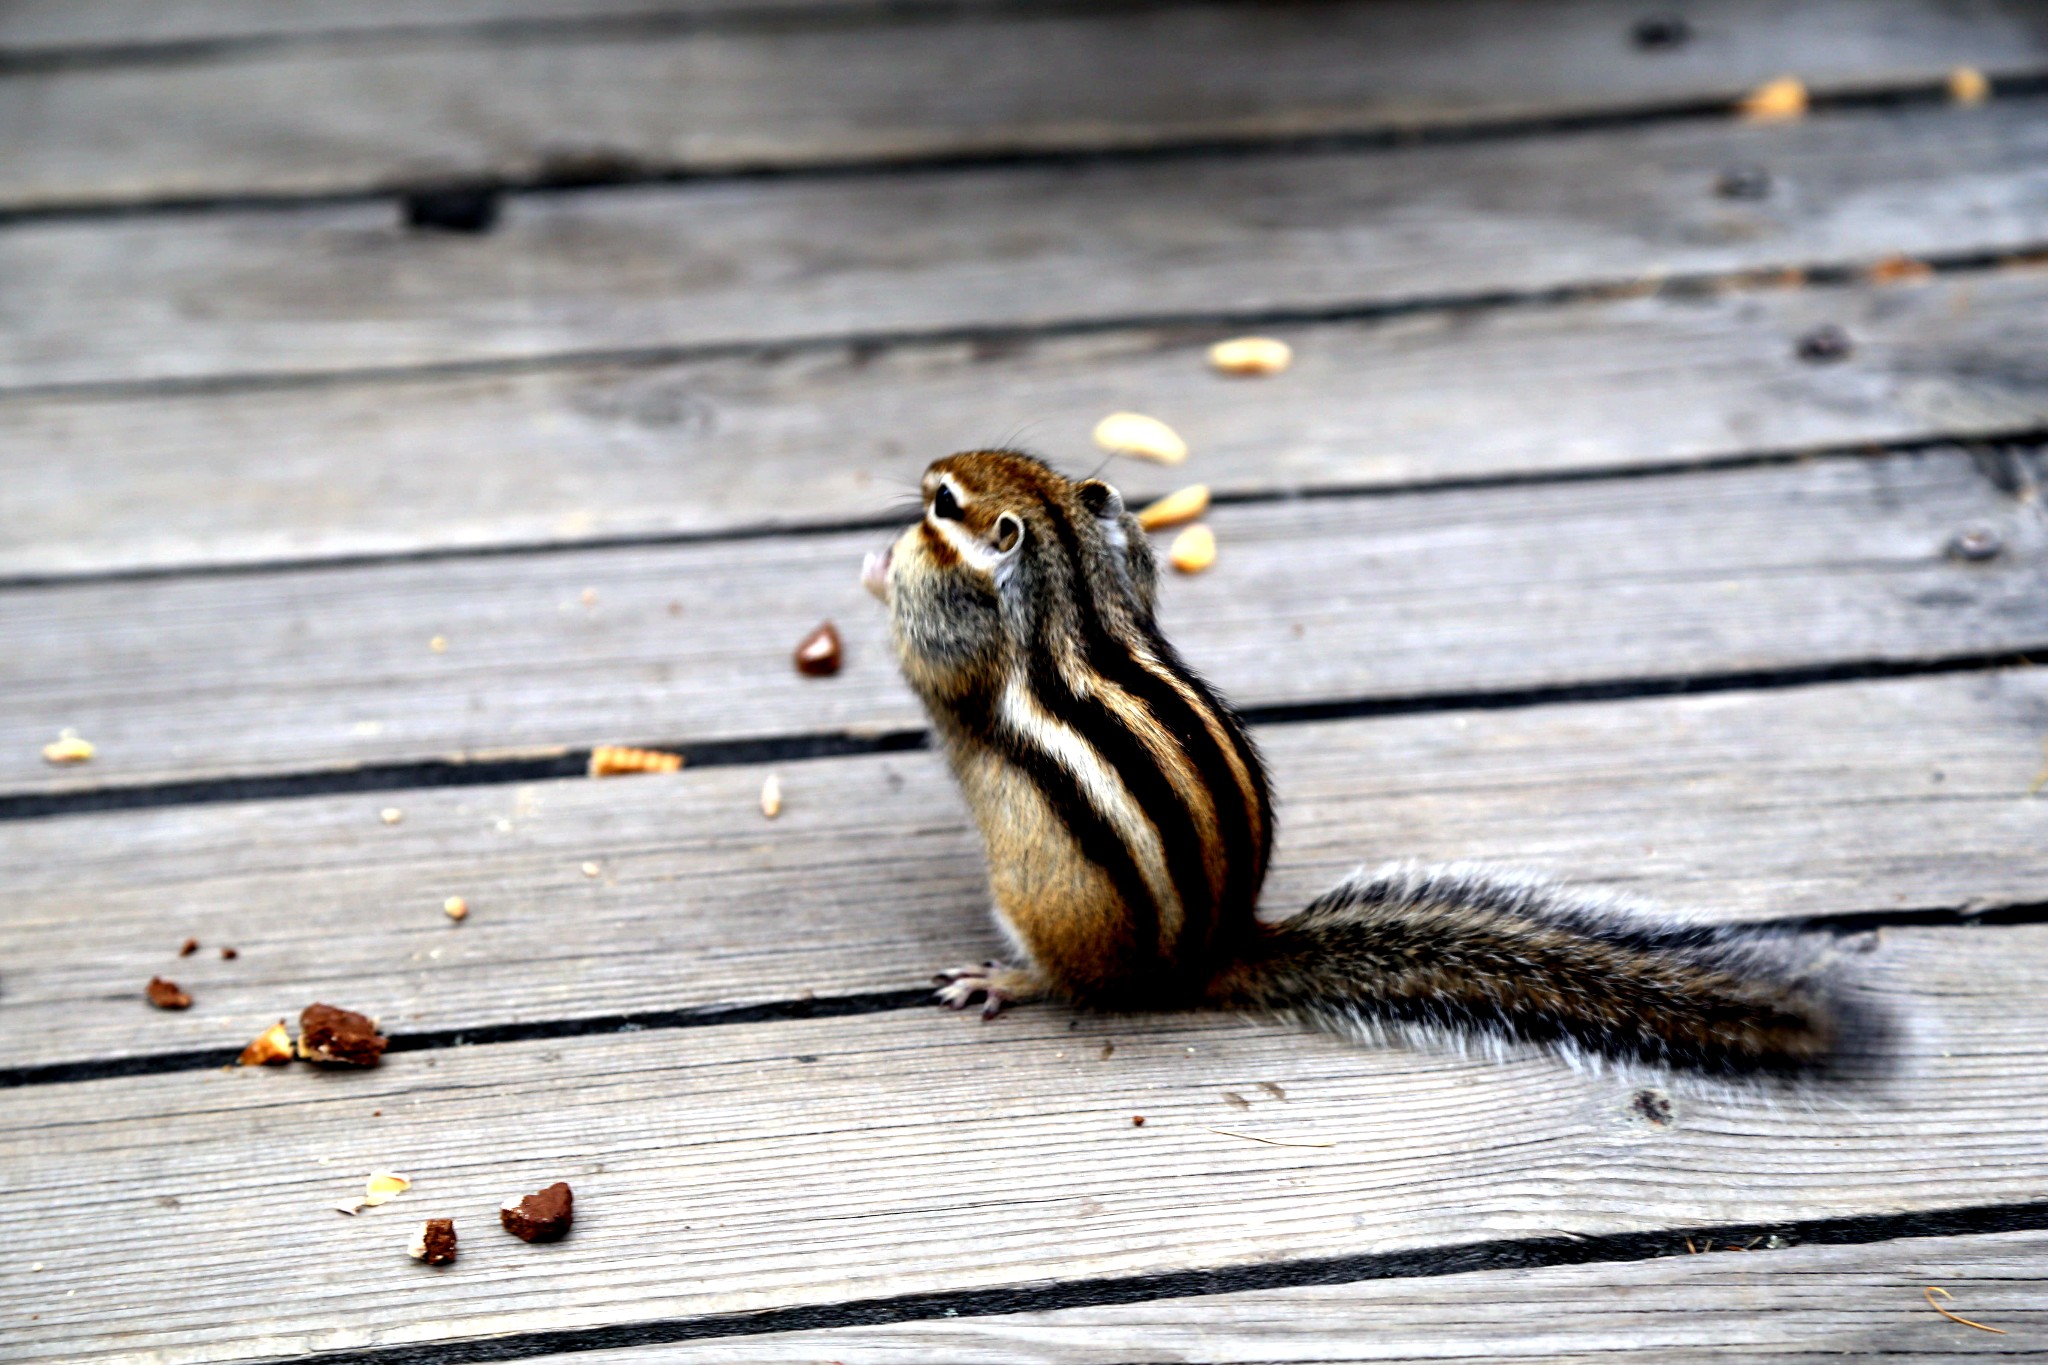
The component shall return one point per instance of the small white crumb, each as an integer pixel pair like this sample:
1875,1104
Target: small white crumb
771,796
391,815
591,869
455,908
1251,355
588,597
439,644
68,748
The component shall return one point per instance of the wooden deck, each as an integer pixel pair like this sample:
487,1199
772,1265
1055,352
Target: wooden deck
1550,551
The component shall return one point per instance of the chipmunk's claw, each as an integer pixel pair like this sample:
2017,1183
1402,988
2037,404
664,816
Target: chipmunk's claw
988,982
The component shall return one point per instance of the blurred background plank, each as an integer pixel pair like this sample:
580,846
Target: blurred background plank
657,97
344,287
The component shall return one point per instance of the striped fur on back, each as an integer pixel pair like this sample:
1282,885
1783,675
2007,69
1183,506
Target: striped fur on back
1128,826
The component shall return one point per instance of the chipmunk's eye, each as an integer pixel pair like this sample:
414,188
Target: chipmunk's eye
945,505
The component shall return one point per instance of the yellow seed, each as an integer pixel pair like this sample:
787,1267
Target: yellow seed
771,796
1193,549
1148,438
1967,85
68,748
456,908
1251,355
1175,508
272,1046
1778,101
611,760
439,644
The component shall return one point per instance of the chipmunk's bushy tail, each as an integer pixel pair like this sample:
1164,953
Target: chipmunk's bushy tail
1449,952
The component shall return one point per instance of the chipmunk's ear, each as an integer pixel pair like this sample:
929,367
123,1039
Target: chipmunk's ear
1009,535
1101,499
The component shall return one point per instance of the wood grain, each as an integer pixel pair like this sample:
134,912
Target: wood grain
572,453
316,119
749,1167
1360,597
1858,797
1800,1304
139,30
344,287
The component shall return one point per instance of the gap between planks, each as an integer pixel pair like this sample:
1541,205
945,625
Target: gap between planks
799,1165
1810,1303
1882,800
1530,592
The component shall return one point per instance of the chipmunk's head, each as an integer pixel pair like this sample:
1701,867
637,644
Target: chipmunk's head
1009,557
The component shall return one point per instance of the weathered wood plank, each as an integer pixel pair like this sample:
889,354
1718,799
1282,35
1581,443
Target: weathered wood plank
1800,1304
1357,597
322,119
750,1167
340,287
1869,796
131,28
585,451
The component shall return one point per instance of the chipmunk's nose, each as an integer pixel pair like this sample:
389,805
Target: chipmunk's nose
874,573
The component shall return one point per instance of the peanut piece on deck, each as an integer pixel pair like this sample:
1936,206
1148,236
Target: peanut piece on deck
1175,508
1148,438
1778,101
1251,355
1193,550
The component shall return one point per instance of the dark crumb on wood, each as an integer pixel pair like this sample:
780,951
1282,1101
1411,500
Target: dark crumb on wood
1137,1120
541,1217
338,1037
469,209
1825,345
434,1243
1108,1051
1661,32
188,947
1271,1089
820,653
1651,1106
165,995
1975,544
1744,182
229,954
1235,1100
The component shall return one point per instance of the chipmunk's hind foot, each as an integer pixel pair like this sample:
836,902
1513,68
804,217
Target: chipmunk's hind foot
996,984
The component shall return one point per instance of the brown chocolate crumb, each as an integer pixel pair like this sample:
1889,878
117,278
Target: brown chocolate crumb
188,947
820,654
229,954
434,1243
1137,1120
338,1037
165,995
542,1217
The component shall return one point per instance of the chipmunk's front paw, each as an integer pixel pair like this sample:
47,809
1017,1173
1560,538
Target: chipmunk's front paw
994,983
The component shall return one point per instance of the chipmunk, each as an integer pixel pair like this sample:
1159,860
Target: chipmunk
1128,827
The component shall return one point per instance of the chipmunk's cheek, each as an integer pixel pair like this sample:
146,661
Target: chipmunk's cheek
874,573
